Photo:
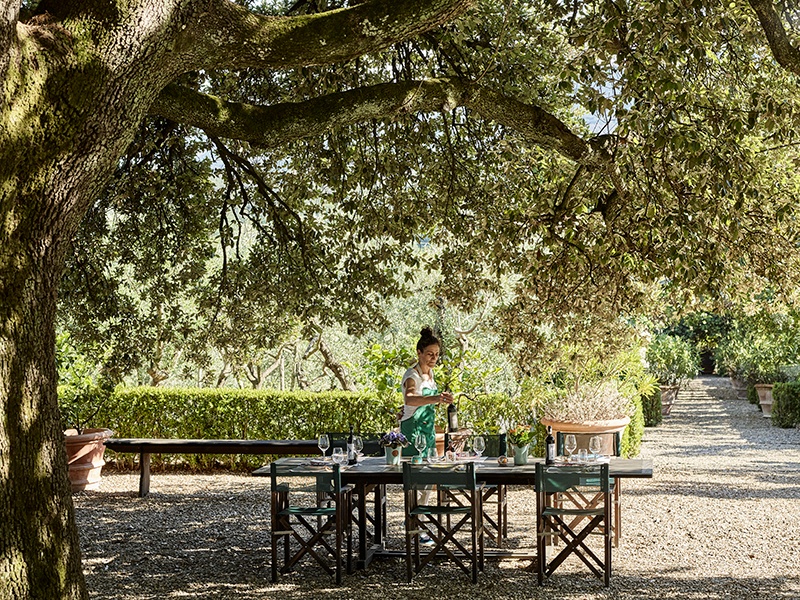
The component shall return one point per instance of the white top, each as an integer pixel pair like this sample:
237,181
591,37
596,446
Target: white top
421,382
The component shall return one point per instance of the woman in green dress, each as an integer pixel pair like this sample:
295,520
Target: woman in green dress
421,395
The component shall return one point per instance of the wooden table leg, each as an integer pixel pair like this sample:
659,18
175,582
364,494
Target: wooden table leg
144,474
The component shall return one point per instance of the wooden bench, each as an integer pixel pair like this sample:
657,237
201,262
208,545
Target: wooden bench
145,447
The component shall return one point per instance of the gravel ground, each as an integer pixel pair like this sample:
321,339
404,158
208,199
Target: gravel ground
719,519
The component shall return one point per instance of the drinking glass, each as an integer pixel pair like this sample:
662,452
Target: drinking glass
433,455
570,444
358,445
595,445
420,442
479,445
324,442
338,456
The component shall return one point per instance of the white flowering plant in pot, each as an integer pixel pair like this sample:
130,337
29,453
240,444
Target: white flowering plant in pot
589,402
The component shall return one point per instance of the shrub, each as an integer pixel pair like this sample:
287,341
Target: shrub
786,404
632,438
651,409
752,395
672,360
153,412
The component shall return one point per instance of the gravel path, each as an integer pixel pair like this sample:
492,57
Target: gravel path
720,519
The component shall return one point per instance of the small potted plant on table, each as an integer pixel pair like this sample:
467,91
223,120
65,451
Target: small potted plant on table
520,438
393,442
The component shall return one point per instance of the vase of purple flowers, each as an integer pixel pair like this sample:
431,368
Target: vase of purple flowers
393,443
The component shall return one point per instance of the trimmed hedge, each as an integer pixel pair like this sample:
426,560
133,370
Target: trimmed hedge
632,438
222,413
651,409
752,395
786,404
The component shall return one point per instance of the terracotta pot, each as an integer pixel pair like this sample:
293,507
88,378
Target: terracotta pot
85,457
764,391
584,431
669,393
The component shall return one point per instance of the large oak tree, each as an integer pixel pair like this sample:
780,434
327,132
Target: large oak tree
78,79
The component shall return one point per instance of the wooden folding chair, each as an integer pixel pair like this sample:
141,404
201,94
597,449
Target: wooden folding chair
303,528
612,445
372,510
495,502
428,519
561,495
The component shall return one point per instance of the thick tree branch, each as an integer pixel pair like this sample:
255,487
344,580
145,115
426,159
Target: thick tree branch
272,126
244,39
787,55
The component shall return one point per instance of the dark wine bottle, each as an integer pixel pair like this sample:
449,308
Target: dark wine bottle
550,447
352,459
452,418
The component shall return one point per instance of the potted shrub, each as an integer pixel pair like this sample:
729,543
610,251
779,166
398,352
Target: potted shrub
80,400
85,445
673,361
587,409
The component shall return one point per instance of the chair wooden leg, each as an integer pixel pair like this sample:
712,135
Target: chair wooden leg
541,528
607,539
617,511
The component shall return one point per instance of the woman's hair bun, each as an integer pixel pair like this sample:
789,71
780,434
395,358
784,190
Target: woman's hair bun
426,332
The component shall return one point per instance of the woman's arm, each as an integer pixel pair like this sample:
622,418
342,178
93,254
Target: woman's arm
412,398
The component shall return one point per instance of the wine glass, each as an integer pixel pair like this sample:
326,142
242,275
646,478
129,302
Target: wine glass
479,445
433,455
338,456
420,443
358,445
323,442
595,446
570,445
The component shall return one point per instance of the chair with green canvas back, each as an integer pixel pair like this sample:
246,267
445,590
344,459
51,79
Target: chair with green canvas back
426,519
561,493
611,446
495,503
303,517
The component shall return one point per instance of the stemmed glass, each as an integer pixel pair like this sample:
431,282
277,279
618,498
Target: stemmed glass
358,444
420,443
570,444
595,446
323,442
338,456
478,445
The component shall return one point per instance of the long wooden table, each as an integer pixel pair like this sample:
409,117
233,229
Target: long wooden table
372,475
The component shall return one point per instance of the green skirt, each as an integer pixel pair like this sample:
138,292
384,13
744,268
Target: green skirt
422,421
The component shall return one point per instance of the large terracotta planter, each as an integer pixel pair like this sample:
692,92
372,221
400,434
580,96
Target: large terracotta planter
584,431
764,391
85,457
669,393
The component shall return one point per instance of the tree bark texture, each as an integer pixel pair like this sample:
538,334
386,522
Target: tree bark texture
75,82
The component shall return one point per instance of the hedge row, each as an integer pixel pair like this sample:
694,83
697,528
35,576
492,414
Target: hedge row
786,404
152,412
